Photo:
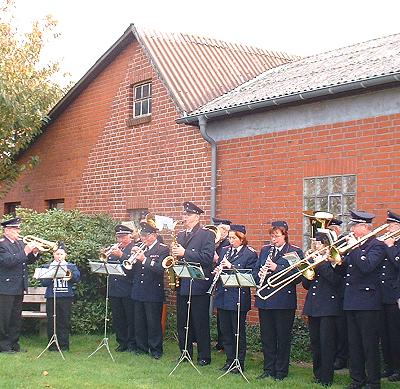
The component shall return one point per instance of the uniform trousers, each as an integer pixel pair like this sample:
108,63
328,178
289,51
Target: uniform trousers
228,322
342,347
63,320
276,335
122,309
322,338
390,336
199,324
148,329
363,335
10,321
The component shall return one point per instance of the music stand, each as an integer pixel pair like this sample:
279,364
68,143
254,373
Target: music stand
237,278
195,272
105,268
53,272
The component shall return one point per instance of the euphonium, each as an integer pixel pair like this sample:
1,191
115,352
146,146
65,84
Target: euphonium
215,230
41,244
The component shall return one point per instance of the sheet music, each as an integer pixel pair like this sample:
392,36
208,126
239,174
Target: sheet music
106,268
189,270
53,271
238,278
292,257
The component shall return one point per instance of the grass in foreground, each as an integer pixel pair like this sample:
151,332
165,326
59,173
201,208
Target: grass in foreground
24,370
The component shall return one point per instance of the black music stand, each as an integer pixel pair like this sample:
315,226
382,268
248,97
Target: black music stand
105,268
237,278
53,272
194,272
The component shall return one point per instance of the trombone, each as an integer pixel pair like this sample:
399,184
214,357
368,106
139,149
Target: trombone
305,267
41,244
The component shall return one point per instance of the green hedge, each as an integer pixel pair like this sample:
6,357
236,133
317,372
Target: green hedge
83,235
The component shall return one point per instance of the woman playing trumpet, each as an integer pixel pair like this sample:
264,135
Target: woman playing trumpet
62,288
240,256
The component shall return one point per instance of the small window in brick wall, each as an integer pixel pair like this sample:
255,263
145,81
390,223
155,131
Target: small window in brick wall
334,194
55,204
11,208
142,100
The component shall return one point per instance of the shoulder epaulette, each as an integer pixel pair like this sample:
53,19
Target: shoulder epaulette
163,245
296,247
2,239
251,249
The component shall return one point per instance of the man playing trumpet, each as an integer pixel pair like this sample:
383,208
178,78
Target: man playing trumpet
14,258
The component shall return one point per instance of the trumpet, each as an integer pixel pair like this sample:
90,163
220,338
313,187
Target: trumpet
128,263
106,252
41,244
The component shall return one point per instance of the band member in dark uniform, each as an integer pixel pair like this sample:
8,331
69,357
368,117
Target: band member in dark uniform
195,244
342,347
120,289
276,314
240,256
64,298
223,226
148,292
362,302
390,323
322,305
14,258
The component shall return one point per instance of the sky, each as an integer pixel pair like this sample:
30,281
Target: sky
304,27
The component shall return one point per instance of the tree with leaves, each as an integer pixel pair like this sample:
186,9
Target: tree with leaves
27,92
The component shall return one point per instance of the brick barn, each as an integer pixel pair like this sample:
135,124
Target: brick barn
247,134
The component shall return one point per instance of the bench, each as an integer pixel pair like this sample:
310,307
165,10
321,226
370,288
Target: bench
34,297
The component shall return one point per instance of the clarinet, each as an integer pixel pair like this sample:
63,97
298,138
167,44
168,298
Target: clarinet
264,276
218,271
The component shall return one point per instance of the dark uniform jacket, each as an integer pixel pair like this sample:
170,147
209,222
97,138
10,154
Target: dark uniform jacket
121,286
390,275
224,243
13,267
361,268
286,298
199,247
227,298
148,278
64,288
324,293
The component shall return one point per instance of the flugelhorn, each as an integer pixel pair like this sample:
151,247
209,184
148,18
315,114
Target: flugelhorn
128,263
106,252
41,244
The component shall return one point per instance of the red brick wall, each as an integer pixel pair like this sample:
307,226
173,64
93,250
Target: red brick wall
260,178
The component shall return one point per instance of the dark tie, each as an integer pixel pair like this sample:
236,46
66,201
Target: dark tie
274,253
234,252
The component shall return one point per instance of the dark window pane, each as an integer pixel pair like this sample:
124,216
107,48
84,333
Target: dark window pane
137,108
146,91
149,105
138,92
145,107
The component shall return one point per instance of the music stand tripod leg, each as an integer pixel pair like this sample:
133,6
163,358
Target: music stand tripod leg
185,353
54,338
104,341
236,363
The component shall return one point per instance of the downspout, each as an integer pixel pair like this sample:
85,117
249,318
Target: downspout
211,141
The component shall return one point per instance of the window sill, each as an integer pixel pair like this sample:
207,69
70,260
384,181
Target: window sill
132,122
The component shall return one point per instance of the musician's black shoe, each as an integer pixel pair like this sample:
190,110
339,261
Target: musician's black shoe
387,373
280,377
339,364
225,367
394,377
354,386
121,348
235,371
219,347
265,374
203,362
156,355
21,350
8,351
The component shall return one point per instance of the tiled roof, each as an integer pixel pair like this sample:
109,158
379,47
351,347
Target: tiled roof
198,69
361,62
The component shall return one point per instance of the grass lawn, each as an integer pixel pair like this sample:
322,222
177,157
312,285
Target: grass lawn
24,370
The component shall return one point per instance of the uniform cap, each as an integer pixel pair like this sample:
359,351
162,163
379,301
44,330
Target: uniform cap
14,222
189,207
238,227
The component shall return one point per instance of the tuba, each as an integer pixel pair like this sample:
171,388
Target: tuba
41,244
